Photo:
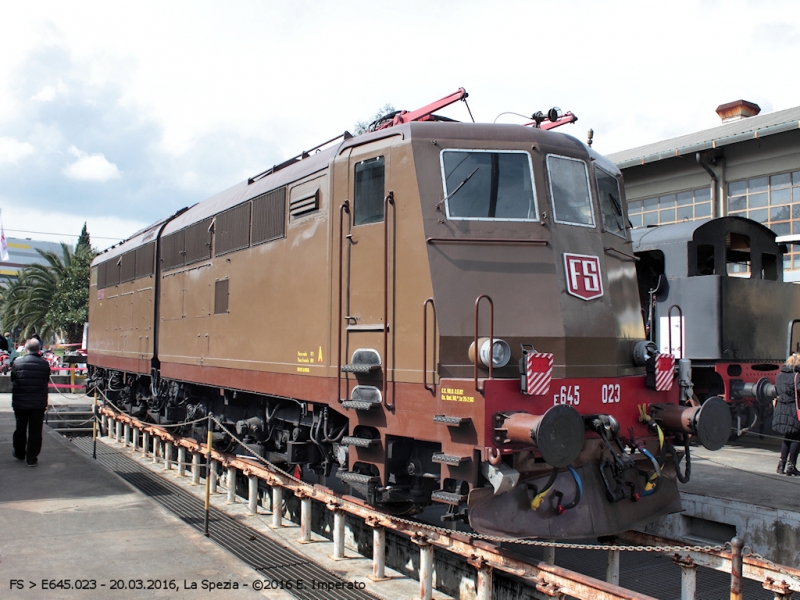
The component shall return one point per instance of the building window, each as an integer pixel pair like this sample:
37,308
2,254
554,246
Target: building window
691,205
773,201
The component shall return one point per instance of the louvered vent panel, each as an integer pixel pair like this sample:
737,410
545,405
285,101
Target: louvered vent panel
269,216
198,241
172,252
101,276
112,271
145,260
232,230
303,205
221,297
127,266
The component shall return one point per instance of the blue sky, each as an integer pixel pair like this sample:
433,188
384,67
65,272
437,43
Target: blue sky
118,114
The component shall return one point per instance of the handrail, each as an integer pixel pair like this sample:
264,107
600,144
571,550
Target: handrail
432,240
789,350
344,208
621,253
432,388
491,340
389,199
680,329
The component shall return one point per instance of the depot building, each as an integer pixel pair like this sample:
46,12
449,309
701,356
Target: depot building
747,166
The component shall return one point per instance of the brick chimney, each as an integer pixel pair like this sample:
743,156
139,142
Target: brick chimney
737,110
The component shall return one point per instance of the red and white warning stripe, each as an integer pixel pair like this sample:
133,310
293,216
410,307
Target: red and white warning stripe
538,372
665,371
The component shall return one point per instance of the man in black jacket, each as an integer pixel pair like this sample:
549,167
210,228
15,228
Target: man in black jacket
30,376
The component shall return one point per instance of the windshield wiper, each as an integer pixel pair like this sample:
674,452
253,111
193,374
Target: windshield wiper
460,185
618,208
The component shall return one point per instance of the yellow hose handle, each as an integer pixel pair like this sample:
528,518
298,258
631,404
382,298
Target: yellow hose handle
539,498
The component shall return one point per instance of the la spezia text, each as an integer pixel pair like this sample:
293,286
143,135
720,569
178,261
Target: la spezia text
177,585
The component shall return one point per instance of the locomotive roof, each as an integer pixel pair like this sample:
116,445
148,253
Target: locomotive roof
440,130
686,231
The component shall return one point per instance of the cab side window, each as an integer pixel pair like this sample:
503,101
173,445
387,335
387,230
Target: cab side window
369,191
610,204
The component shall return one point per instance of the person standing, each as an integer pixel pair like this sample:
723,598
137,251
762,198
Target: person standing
30,377
787,410
12,349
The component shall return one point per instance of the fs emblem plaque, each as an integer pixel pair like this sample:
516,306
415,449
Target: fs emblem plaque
584,279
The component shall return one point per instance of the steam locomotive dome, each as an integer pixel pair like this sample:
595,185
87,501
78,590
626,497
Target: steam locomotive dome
435,312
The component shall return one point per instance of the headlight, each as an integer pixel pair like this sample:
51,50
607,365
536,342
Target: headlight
499,352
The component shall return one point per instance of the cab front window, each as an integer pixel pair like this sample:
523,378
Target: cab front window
488,185
569,189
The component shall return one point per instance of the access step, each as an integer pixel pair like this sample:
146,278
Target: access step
448,497
358,478
364,397
449,459
358,405
363,361
360,368
359,442
451,421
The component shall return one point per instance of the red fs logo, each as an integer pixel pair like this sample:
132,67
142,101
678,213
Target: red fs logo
584,279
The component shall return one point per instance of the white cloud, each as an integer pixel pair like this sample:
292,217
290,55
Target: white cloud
49,92
11,151
91,167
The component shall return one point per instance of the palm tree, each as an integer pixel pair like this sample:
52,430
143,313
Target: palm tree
52,297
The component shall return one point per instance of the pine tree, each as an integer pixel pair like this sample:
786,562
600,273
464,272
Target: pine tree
83,239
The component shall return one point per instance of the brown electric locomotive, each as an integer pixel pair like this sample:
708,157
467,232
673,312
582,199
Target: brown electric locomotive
434,312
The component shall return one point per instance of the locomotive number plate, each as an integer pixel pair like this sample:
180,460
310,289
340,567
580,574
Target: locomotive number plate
610,393
568,394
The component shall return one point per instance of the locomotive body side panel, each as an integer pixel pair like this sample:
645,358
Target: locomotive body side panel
274,314
121,335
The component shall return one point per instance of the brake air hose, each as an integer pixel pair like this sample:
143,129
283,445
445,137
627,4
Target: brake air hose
539,497
654,482
562,508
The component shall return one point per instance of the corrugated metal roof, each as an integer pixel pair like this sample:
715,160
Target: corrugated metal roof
729,133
